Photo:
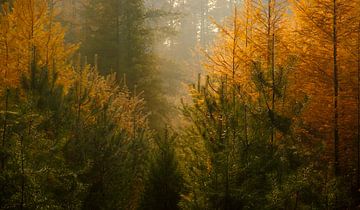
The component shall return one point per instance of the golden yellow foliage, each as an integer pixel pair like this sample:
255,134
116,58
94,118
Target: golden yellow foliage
93,91
314,77
258,33
28,31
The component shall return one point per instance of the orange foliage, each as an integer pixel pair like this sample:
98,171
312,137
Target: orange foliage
26,28
314,75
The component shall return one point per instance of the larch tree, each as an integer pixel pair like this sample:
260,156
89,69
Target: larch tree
27,26
68,133
270,46
326,45
324,29
240,77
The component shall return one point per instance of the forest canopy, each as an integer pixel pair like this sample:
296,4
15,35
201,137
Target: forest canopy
175,104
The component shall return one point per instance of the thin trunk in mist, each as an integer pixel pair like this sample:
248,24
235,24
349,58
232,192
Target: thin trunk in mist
118,37
171,25
203,28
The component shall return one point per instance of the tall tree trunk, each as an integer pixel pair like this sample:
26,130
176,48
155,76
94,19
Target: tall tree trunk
6,103
117,68
358,109
5,127
203,30
171,24
271,61
248,33
336,91
22,172
79,96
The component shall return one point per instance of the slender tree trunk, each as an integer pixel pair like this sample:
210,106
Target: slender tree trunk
51,16
234,89
74,21
22,172
22,203
271,61
79,100
336,92
171,25
202,22
5,127
358,109
203,29
296,200
247,34
222,119
235,36
6,101
268,59
4,133
118,38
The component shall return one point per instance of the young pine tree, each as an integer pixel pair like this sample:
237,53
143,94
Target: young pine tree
165,183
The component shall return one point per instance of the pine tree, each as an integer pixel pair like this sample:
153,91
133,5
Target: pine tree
110,129
71,138
235,146
165,183
35,168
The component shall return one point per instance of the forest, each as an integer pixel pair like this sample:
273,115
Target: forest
180,104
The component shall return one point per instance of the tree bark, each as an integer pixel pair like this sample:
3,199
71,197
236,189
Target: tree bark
336,91
358,109
5,128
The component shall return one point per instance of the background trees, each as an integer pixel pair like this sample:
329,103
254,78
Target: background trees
117,33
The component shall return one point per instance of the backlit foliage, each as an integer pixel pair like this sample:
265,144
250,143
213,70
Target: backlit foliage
28,26
315,41
68,134
269,96
272,121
